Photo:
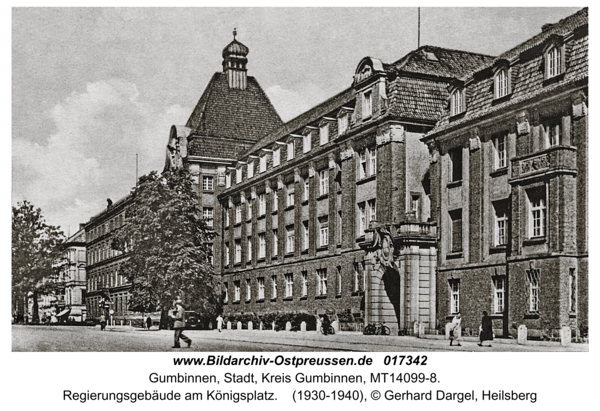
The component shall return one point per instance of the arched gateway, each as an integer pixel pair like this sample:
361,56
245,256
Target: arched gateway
400,268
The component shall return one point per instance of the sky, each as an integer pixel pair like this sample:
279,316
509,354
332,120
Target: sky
94,87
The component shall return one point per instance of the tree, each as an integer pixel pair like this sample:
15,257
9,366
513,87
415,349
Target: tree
37,257
168,244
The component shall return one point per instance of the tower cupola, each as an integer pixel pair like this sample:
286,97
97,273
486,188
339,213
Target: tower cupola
234,63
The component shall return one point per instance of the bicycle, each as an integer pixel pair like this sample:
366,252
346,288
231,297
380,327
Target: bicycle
330,330
376,329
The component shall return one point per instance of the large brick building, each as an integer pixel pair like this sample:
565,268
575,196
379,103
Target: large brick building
509,163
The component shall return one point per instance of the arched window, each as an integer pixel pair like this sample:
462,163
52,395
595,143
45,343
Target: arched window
553,62
457,102
501,83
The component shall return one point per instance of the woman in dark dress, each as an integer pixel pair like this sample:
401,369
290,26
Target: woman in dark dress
486,333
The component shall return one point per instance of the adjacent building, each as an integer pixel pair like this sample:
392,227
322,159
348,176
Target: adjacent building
74,277
509,189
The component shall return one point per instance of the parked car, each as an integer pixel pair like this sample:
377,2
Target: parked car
192,320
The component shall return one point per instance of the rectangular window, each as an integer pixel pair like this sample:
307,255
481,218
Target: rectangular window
290,240
227,180
238,213
261,288
456,231
373,162
249,253
553,62
249,211
456,164
362,164
276,157
367,104
207,183
290,150
322,281
457,102
323,231
501,83
537,212
552,132
533,280
275,205
339,280
275,242
262,204
236,285
289,285
262,246
306,143
362,219
225,293
454,296
250,169
356,282
304,283
227,262
238,175
306,241
273,286
226,210
248,290
342,124
499,294
415,206
572,291
372,212
238,251
501,226
263,163
207,214
500,151
324,134
290,195
324,182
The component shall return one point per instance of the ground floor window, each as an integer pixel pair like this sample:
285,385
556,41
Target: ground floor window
499,294
454,295
533,280
322,281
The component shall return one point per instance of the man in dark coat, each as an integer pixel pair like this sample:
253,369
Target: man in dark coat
326,324
486,333
179,317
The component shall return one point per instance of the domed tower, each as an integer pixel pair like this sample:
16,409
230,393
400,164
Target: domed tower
234,63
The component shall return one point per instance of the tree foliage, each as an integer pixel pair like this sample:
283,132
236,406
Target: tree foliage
37,254
168,244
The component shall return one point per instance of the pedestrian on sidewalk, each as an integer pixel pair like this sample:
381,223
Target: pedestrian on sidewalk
179,317
102,322
219,322
326,324
456,330
148,322
485,330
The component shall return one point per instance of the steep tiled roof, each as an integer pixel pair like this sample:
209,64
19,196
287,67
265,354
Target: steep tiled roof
232,113
416,98
528,82
314,114
441,62
215,147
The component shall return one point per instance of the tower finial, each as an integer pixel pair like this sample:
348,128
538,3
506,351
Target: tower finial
234,33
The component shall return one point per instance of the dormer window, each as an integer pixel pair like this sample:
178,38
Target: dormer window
263,163
553,62
227,180
290,150
306,143
238,175
250,169
276,156
501,88
324,134
457,101
367,104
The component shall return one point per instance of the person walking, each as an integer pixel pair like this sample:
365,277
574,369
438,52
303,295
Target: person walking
102,322
485,331
456,330
148,322
219,322
179,324
326,324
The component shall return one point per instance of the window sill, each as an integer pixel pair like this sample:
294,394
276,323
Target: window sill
498,249
453,184
261,217
274,258
237,265
237,224
499,172
303,298
235,302
274,300
338,296
366,179
501,100
208,191
274,212
323,248
456,254
249,220
289,255
532,316
457,116
260,260
534,241
323,196
304,252
552,80
305,202
289,208
260,301
225,303
572,315
288,299
357,293
497,316
321,297
248,301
